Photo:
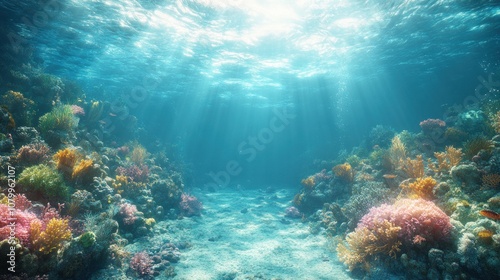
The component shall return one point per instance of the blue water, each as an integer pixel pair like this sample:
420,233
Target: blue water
208,76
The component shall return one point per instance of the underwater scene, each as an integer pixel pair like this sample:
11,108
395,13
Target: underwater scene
250,140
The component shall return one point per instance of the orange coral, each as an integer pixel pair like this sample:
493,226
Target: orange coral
308,182
344,171
82,169
51,239
414,168
65,160
446,160
421,188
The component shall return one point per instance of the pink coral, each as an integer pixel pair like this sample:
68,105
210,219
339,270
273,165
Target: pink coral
77,111
190,205
21,220
128,212
429,126
21,223
142,264
420,220
134,172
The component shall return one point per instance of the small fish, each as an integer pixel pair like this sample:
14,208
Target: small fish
490,214
389,176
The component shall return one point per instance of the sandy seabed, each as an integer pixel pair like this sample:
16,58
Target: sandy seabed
243,234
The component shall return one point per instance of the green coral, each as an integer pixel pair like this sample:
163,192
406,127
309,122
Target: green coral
60,119
44,183
87,239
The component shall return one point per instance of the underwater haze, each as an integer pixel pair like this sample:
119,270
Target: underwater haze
213,71
218,139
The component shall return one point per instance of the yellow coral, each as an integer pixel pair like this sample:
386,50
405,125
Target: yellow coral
308,182
363,244
138,154
83,168
446,160
344,171
397,153
414,168
150,222
51,239
421,188
65,160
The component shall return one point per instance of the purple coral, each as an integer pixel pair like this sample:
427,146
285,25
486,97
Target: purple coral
142,264
420,220
430,126
190,205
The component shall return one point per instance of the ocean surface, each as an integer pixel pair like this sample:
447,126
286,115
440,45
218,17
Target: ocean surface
257,94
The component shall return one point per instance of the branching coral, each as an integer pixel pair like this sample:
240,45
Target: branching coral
365,244
397,153
414,168
51,239
84,171
65,160
446,160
